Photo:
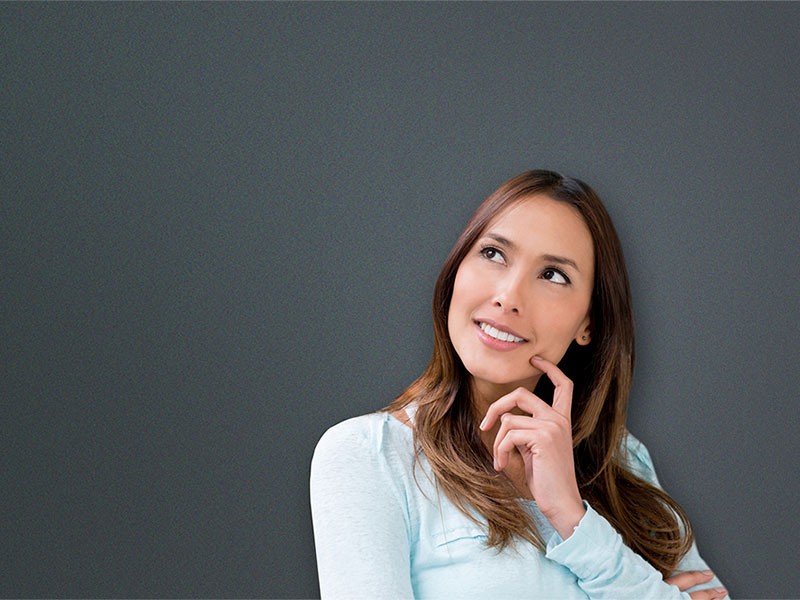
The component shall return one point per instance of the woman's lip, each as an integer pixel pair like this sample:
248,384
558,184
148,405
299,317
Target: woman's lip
494,343
501,327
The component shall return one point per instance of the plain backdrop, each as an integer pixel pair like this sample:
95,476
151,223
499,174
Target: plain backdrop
221,225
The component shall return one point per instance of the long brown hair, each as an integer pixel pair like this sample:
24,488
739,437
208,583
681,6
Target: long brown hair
445,428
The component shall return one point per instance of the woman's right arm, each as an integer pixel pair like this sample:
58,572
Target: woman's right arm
360,517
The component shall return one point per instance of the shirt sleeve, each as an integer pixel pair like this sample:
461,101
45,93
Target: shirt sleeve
605,566
360,515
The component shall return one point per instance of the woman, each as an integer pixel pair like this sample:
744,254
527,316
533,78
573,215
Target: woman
471,484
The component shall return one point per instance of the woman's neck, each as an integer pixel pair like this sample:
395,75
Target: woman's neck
484,393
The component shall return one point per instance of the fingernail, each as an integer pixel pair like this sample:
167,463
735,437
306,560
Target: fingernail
483,423
494,463
707,572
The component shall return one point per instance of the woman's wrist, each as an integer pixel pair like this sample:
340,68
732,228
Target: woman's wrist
567,519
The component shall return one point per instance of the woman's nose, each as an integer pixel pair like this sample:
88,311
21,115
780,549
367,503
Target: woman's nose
509,295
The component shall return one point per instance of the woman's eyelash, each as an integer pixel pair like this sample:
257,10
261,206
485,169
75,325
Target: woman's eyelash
559,272
490,252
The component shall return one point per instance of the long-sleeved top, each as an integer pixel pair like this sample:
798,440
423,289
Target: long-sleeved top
382,529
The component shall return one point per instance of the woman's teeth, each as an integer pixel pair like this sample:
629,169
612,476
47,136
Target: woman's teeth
503,336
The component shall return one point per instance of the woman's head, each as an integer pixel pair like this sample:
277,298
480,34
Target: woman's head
522,290
539,259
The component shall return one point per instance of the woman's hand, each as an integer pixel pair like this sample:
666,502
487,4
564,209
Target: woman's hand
544,439
689,579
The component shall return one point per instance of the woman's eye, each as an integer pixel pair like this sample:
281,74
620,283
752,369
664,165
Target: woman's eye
555,276
493,254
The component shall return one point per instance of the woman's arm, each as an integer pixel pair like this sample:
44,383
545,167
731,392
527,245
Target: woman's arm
359,515
607,568
584,541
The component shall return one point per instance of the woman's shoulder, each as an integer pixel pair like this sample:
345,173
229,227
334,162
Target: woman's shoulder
637,458
377,433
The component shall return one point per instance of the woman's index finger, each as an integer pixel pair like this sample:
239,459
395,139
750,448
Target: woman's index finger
562,395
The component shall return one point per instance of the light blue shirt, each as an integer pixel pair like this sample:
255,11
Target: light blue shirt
383,530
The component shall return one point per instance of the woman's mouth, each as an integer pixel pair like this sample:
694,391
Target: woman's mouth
499,334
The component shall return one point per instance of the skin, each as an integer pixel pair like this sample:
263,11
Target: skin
689,579
511,278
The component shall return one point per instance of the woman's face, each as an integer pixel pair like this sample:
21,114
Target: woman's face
523,289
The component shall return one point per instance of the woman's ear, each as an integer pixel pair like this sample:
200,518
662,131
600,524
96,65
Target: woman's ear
584,334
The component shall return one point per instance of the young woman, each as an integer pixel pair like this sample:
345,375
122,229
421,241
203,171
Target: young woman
505,470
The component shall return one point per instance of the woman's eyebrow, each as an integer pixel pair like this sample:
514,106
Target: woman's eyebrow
501,240
552,258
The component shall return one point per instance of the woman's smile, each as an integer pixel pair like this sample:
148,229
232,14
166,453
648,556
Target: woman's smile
498,337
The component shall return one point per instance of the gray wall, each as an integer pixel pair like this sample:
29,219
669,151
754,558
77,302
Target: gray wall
221,224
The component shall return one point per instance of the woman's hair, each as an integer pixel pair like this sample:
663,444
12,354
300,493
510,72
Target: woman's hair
445,429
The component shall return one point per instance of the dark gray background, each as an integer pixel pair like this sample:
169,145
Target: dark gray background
221,225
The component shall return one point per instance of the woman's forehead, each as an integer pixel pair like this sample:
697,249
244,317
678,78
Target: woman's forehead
540,217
